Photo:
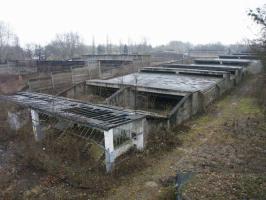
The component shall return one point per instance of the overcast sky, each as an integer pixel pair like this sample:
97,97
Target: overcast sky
159,21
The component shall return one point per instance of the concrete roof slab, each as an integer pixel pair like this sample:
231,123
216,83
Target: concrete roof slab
162,81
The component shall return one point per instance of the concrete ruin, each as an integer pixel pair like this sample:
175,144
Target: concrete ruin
113,129
253,66
116,59
132,105
193,53
170,96
236,72
218,61
172,93
114,64
239,56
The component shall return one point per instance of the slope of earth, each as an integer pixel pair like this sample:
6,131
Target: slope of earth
225,149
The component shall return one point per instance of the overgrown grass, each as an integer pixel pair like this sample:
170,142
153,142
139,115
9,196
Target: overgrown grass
225,186
234,157
168,193
162,140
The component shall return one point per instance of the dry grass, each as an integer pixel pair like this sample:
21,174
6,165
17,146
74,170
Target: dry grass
225,147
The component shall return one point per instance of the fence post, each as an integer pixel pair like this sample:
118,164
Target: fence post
39,82
52,80
72,75
29,84
88,70
8,68
100,70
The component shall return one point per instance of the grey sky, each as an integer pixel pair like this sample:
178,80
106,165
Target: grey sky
159,21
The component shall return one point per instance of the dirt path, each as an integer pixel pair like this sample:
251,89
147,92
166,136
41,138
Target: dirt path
219,146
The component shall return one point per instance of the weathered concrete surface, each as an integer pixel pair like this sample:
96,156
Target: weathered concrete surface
172,82
199,72
239,56
215,67
237,62
17,119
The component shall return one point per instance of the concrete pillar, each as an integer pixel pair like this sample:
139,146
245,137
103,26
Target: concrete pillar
75,91
109,149
17,119
36,126
139,141
13,121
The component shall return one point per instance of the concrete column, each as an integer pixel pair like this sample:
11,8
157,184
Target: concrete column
109,149
36,126
139,141
17,119
75,91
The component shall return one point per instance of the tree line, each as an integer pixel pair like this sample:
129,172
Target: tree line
70,45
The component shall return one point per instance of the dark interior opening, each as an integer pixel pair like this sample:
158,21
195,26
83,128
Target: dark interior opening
152,102
232,71
158,71
202,74
104,92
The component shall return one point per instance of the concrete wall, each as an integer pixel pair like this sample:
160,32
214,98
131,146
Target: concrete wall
223,86
196,102
135,132
15,68
210,95
62,80
17,119
123,97
182,111
74,91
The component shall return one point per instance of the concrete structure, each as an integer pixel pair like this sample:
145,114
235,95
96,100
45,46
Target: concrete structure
205,53
24,67
116,59
236,72
113,129
164,95
239,56
47,66
17,119
166,56
170,96
130,57
116,64
171,93
60,81
217,61
252,66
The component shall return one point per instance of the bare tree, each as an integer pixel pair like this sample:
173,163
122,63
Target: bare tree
66,46
259,47
9,44
259,16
